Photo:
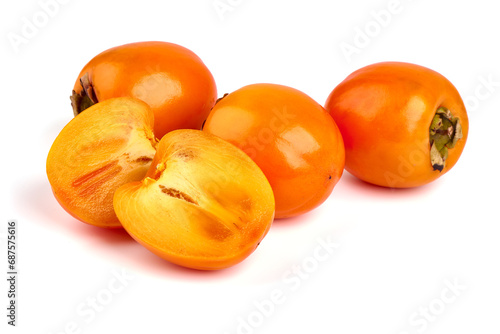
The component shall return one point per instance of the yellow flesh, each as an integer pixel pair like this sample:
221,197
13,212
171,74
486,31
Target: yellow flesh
203,198
106,146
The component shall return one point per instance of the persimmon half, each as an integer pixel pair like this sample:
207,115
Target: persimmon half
171,79
291,138
403,125
204,204
111,144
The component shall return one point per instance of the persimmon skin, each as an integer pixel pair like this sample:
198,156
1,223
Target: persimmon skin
291,138
111,144
384,112
204,204
171,79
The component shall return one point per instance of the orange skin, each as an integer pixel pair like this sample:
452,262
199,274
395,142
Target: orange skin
111,144
173,80
290,137
384,112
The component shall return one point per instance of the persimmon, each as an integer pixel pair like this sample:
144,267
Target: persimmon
403,125
110,144
204,204
291,138
171,79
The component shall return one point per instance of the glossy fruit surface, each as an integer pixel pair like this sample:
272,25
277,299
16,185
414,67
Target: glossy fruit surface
403,125
204,204
290,136
171,79
111,144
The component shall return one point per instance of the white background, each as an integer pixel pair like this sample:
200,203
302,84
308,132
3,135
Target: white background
398,250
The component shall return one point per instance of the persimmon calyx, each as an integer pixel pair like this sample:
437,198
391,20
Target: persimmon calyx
86,98
444,132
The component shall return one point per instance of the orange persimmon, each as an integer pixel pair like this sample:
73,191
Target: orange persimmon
204,204
171,79
291,138
110,144
403,125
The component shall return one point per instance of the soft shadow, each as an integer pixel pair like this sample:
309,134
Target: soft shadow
350,187
117,244
291,222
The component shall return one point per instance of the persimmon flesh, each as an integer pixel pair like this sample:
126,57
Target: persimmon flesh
170,78
204,204
111,144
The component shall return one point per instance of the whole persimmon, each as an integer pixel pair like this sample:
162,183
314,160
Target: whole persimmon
291,138
204,204
403,125
171,79
110,144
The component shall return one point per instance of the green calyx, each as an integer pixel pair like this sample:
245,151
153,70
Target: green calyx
444,133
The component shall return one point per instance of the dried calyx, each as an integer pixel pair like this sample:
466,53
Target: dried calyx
444,133
86,98
220,98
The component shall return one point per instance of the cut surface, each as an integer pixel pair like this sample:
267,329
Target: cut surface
112,143
204,203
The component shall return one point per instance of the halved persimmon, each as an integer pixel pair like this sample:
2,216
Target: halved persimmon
171,79
204,204
111,144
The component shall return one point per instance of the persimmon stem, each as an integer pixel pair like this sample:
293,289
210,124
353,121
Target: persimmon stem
86,98
444,132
